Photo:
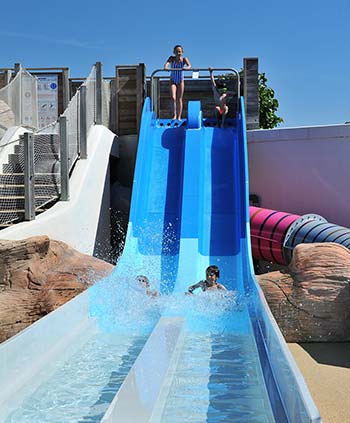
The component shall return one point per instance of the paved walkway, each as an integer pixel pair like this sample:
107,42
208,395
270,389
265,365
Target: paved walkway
326,370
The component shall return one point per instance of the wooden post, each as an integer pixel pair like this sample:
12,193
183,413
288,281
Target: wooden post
129,96
251,92
140,92
116,98
113,108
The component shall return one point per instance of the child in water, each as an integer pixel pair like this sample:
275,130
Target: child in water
210,283
177,83
221,97
144,282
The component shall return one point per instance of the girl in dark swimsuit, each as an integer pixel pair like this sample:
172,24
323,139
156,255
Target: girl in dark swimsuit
177,83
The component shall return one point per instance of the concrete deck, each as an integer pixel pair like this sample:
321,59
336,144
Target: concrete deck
326,370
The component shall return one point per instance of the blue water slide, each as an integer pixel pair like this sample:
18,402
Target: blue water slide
190,209
186,202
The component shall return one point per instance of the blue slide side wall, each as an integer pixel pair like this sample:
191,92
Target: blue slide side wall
289,395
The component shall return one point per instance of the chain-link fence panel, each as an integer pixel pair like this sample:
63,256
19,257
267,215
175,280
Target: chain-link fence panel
90,84
19,102
29,100
11,185
10,105
47,168
19,99
73,119
46,176
106,100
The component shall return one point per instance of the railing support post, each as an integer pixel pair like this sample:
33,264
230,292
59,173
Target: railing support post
98,97
8,76
155,95
140,92
83,123
251,91
17,68
66,88
19,114
64,159
29,177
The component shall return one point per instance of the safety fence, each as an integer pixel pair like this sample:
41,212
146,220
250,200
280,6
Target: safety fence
36,167
19,102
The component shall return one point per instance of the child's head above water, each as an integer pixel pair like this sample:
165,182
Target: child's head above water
143,280
212,273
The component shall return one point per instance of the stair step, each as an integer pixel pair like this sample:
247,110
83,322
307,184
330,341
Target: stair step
40,166
19,197
49,139
8,217
40,178
15,158
14,210
17,203
39,148
45,189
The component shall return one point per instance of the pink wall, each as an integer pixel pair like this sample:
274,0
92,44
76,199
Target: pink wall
302,170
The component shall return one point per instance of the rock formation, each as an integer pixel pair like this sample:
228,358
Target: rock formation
37,275
311,300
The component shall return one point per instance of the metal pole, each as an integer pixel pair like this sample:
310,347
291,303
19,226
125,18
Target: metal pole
18,116
83,124
29,177
155,95
64,158
8,75
17,68
98,97
65,84
153,88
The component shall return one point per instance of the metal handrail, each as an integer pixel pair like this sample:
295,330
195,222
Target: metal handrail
154,87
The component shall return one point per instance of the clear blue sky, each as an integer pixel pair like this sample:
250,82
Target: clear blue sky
302,46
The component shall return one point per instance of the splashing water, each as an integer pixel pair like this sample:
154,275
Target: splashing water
122,304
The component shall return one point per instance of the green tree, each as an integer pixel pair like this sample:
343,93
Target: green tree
268,105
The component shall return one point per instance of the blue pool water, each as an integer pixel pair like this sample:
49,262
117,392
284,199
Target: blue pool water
83,387
218,379
218,376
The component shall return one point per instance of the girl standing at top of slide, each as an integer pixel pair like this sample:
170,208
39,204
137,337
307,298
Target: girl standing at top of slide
177,83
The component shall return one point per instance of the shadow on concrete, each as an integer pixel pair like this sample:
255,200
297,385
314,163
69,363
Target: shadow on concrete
330,353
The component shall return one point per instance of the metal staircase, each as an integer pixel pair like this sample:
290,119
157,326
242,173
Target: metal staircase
46,179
